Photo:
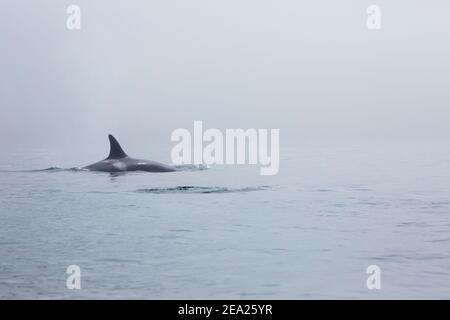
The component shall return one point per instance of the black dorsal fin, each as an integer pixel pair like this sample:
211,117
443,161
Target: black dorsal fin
116,151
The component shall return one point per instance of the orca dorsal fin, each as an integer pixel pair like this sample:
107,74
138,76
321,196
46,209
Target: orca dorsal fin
116,151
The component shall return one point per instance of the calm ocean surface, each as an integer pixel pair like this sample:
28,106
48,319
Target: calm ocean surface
227,232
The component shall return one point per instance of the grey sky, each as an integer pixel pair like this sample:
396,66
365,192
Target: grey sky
140,69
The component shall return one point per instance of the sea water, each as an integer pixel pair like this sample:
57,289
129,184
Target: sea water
226,232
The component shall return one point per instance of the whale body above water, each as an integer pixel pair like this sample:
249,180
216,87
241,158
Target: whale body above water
119,161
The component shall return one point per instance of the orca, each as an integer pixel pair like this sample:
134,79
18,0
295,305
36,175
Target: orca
119,161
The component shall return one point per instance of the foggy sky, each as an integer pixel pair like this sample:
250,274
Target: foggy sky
140,69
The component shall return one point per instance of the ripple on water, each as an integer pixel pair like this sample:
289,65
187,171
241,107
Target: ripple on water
199,189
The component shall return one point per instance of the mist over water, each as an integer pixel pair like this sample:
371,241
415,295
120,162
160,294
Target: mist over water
140,70
364,155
